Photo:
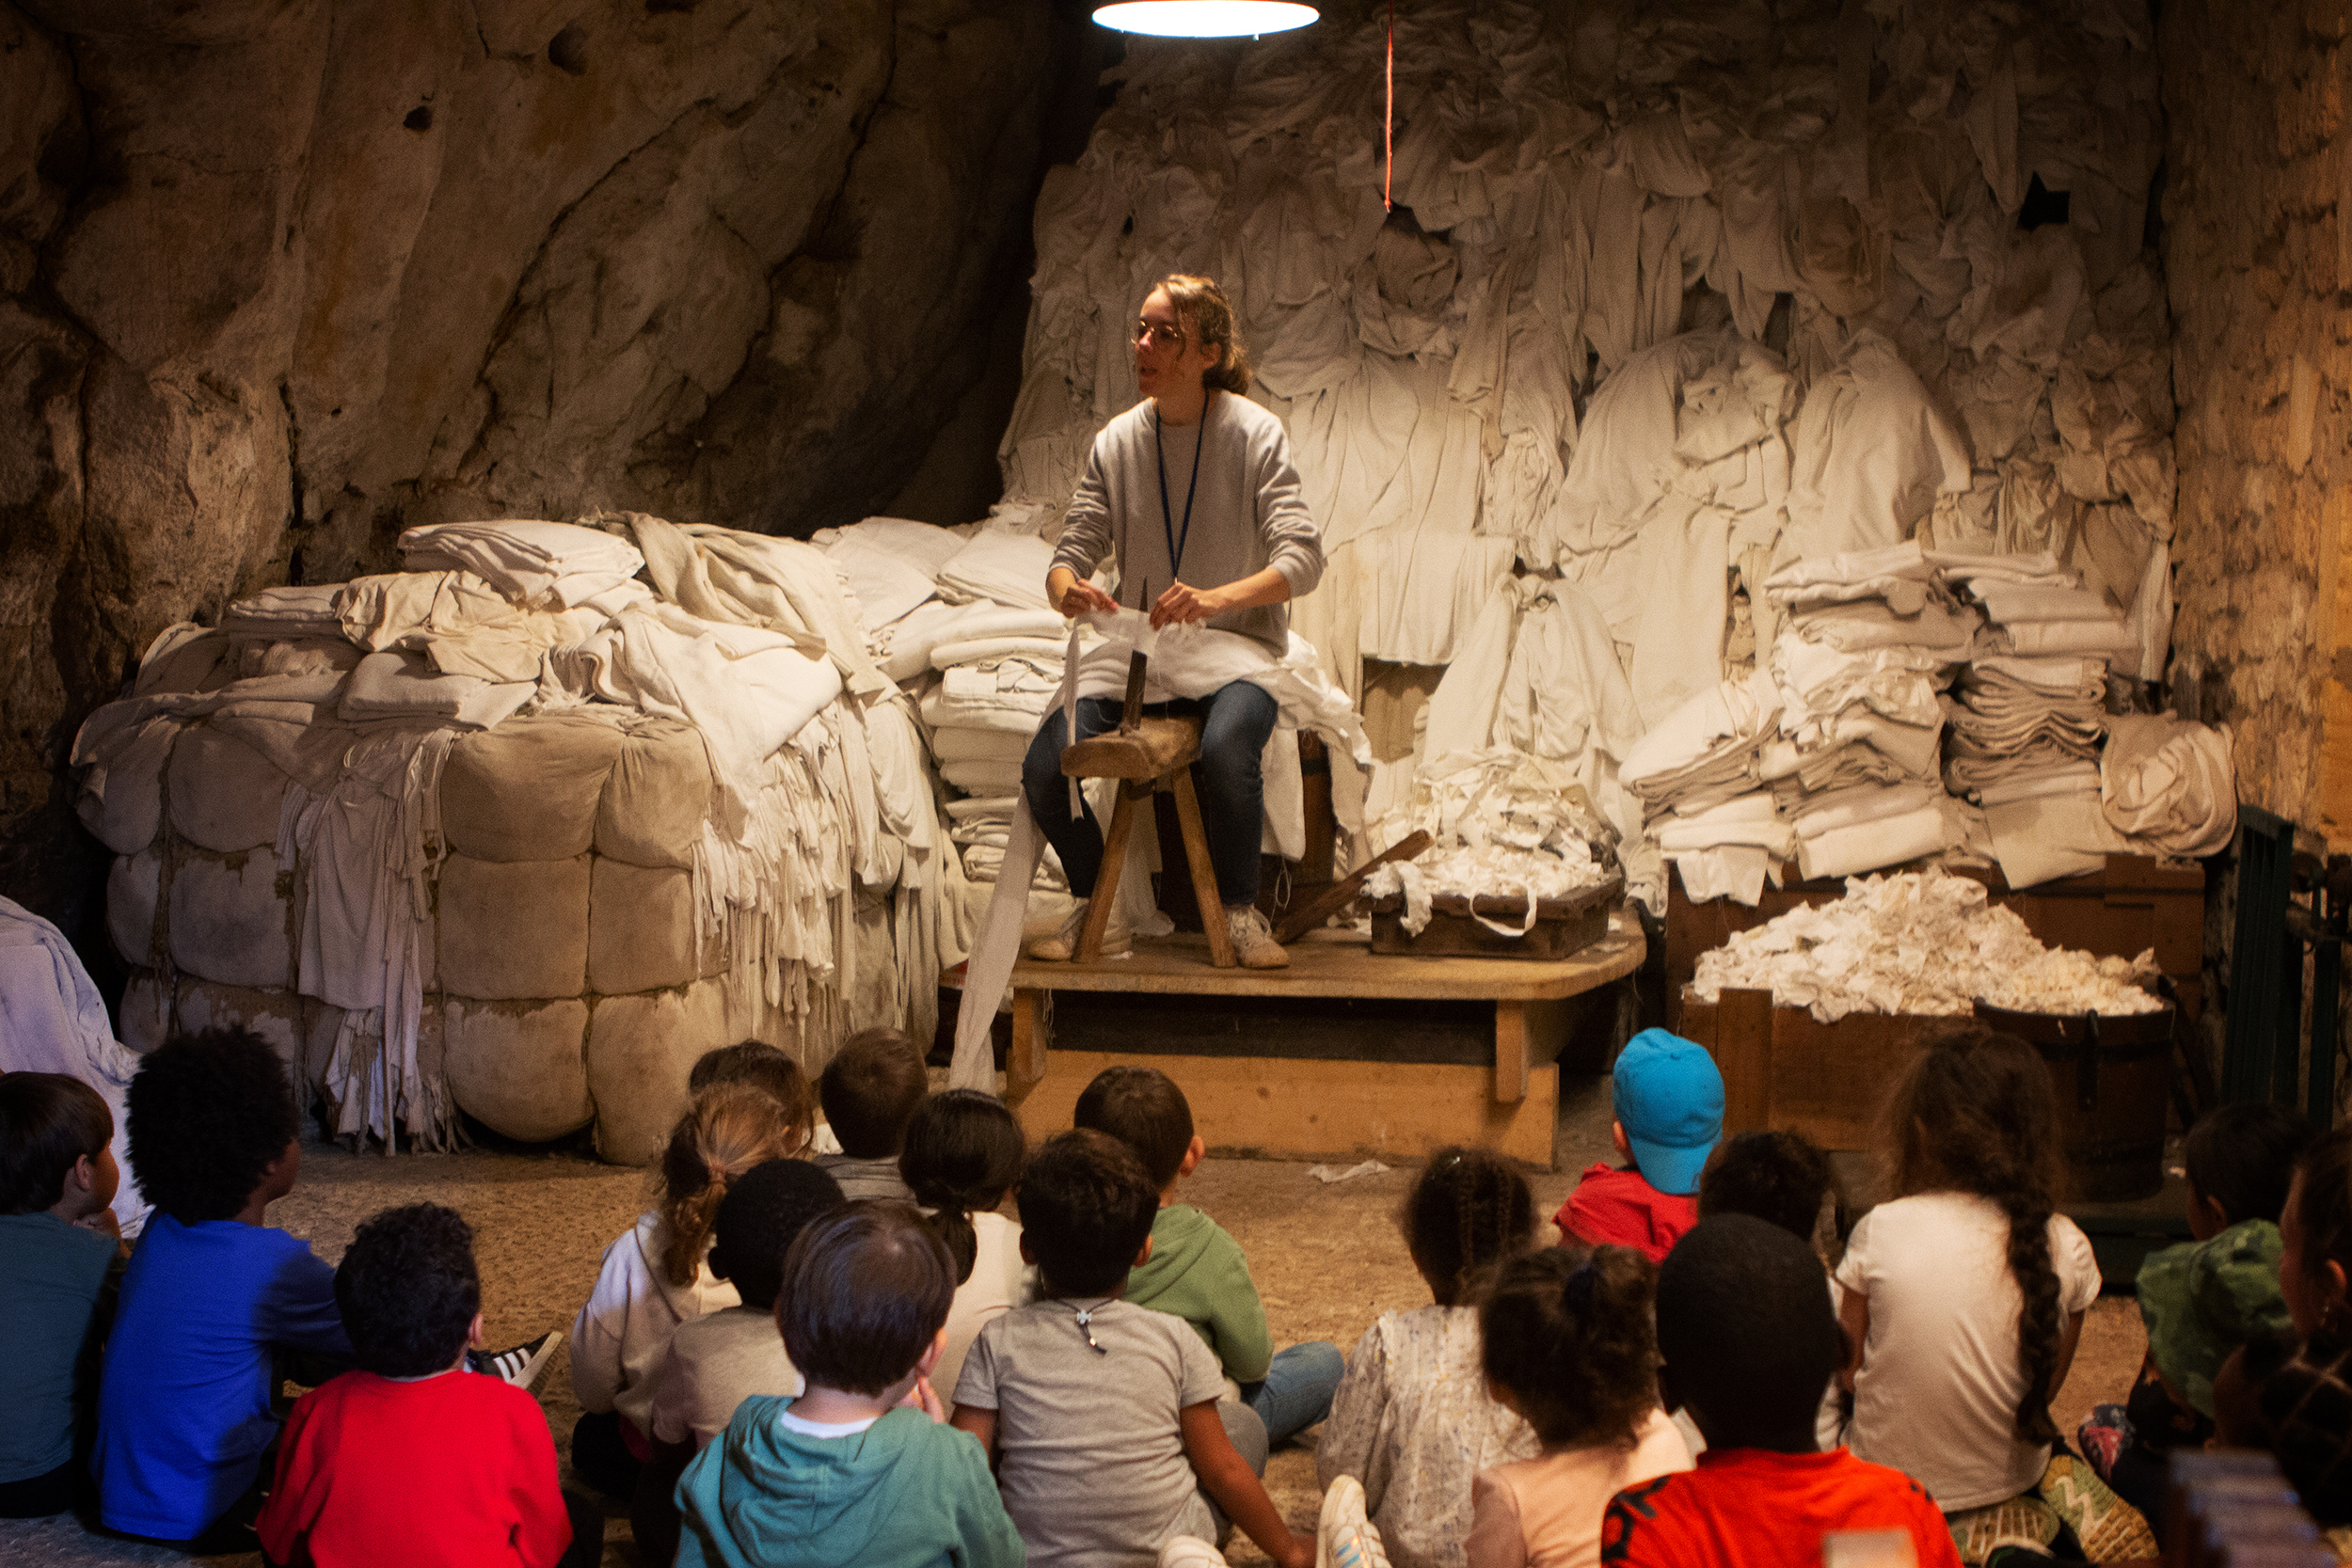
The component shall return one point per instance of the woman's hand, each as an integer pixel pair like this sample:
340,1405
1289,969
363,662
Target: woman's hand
1182,605
1073,596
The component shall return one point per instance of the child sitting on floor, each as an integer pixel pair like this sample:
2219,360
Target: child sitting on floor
1413,1422
654,1277
871,1090
846,1474
718,1360
1782,1178
57,1282
1963,1296
1748,1339
1104,1419
210,1299
2202,1300
964,1154
1669,1102
410,1457
763,1067
1196,1269
1569,1345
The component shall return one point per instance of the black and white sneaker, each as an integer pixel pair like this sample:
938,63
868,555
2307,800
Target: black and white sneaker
520,1366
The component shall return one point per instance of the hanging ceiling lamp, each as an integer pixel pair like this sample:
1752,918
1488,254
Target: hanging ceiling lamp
1204,19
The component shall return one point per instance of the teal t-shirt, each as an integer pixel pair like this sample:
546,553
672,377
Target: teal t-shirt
52,1277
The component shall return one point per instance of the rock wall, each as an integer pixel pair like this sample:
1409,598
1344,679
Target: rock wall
280,277
2256,262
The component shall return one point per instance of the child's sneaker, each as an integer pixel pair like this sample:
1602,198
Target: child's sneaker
1190,1551
520,1366
1345,1537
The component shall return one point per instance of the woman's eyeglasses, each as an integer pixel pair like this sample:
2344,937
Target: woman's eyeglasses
1159,333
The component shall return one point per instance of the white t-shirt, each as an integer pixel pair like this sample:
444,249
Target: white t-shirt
1000,1281
1937,1394
624,1330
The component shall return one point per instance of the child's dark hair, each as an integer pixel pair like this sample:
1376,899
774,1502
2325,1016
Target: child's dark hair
763,1067
1745,1328
1086,1207
866,1290
408,1290
869,1089
2243,1156
729,1128
1467,1210
765,1209
209,1113
1141,1107
48,1123
963,1153
1780,1177
1570,1337
2307,1403
1974,1114
2323,1212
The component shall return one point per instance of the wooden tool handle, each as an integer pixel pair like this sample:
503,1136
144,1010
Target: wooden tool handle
1340,893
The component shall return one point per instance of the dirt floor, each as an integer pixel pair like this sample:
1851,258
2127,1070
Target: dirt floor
1327,1258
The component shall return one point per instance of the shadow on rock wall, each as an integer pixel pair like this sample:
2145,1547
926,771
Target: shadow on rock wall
280,277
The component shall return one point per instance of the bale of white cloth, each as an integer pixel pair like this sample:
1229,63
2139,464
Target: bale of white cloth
544,564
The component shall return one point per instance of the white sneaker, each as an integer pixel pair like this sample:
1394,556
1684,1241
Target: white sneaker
1190,1551
1062,945
521,1366
1253,939
1344,1536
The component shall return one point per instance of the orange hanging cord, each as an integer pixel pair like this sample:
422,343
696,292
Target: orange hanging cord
1388,123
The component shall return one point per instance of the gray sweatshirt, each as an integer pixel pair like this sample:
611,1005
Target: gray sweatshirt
1247,513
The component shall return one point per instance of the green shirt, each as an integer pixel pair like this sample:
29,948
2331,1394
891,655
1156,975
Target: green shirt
53,1278
1197,1273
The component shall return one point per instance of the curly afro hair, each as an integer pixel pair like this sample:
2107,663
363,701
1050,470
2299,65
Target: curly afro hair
208,1114
409,1290
1570,1337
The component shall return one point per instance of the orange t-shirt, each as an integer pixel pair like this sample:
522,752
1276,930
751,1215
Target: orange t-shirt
1619,1208
1750,1508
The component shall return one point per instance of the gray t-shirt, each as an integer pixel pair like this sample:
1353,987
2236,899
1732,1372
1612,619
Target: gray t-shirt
861,1179
1092,1462
713,1364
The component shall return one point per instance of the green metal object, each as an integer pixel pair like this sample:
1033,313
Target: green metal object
2262,1049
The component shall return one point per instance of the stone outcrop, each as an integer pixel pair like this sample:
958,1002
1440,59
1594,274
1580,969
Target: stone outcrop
279,278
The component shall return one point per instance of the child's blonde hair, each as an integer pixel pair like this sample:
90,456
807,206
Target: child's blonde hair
729,1128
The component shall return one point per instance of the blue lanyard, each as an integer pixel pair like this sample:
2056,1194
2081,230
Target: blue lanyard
1176,542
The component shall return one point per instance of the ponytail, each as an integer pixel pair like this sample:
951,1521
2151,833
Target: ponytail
727,1130
963,1152
1573,1340
1974,1114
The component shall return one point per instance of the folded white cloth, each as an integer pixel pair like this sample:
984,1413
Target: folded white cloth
2170,784
305,611
906,643
2065,778
551,566
2048,836
1957,567
974,650
1001,565
957,743
1869,846
925,547
1853,807
1730,871
982,778
1897,574
1871,623
399,685
974,807
2007,603
885,586
1747,819
1732,717
2068,636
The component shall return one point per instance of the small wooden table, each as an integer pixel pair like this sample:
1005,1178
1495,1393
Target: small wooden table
1291,1061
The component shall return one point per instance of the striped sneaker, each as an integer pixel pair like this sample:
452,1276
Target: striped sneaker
520,1366
1190,1551
1344,1536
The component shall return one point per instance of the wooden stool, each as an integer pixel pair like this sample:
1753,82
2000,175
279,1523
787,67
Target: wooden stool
1147,755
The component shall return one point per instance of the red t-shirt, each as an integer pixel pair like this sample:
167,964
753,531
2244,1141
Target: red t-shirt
1617,1208
453,1471
1750,1508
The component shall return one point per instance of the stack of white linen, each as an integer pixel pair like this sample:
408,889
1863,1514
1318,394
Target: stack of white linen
991,692
2037,607
891,566
540,564
1698,775
1869,638
286,613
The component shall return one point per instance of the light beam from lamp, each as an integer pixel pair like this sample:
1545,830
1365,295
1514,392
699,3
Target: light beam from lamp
1204,19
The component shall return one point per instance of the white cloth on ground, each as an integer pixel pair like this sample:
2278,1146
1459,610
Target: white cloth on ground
51,1020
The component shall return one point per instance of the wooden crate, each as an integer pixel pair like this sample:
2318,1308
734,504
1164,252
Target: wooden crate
2134,903
1564,926
1784,1068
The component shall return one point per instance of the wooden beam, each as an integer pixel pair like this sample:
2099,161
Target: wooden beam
1026,1059
1510,1052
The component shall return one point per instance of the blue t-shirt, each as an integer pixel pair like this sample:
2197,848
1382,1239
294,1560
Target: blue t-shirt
51,1276
184,1407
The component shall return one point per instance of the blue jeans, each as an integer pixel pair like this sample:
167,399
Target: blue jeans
1298,1389
1238,721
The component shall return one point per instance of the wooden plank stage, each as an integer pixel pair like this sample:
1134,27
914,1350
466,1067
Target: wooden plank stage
1347,1053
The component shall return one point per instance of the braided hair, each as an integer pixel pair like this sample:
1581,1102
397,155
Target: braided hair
963,1153
1468,1212
726,1131
1570,1337
1974,1114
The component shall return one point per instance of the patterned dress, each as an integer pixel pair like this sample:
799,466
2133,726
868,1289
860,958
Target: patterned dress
1412,1422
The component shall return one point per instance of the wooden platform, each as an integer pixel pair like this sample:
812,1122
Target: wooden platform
1285,1062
